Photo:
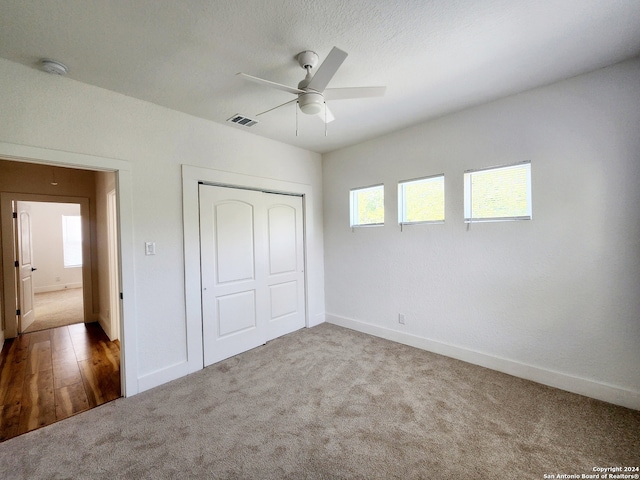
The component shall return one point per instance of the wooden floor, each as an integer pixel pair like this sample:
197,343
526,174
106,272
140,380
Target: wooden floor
50,375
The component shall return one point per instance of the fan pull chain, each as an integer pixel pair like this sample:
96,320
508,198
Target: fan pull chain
297,118
325,119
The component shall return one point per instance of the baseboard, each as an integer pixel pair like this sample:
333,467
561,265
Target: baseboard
165,375
1,339
55,288
562,381
105,324
317,320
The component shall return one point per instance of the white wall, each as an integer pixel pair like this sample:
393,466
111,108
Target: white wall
57,113
555,299
48,257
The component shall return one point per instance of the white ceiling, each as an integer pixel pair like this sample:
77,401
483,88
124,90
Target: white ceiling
434,56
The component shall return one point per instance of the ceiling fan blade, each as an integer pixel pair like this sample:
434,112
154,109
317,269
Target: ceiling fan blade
327,70
329,116
282,105
271,84
353,92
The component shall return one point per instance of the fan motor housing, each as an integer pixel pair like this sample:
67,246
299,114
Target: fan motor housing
308,59
311,103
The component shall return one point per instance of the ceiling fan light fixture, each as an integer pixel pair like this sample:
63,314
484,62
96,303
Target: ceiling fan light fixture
311,91
311,103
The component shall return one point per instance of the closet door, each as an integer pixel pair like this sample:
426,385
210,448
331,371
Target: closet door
249,244
285,265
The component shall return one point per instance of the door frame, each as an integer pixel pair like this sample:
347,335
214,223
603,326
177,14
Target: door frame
114,269
8,254
124,188
191,178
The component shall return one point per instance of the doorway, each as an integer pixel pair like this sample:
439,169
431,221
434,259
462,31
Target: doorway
49,247
74,367
27,169
21,279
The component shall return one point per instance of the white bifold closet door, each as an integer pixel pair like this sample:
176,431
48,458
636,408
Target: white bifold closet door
252,266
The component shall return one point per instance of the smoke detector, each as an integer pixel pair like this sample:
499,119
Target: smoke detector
53,66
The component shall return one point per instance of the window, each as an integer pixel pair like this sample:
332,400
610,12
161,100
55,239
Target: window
498,193
72,241
367,206
421,200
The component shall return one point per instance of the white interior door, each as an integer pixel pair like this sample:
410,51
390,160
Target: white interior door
252,269
285,264
25,267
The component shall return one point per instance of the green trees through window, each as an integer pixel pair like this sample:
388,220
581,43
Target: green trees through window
367,206
501,193
421,200
490,194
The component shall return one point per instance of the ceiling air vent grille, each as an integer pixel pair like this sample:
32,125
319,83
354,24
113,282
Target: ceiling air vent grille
242,120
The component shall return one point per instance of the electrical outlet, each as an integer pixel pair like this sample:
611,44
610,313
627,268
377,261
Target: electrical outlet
401,318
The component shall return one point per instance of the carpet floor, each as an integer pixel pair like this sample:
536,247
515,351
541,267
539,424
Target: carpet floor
331,403
57,309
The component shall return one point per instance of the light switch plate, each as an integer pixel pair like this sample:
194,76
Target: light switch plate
149,248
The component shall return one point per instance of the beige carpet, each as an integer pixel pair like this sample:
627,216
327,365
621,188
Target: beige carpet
57,309
330,403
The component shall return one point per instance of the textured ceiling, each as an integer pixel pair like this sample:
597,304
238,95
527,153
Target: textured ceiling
434,56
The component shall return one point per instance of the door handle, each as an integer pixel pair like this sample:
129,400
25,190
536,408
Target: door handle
33,269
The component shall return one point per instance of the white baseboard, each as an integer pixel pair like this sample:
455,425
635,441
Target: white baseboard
56,287
317,320
105,323
562,381
162,376
1,339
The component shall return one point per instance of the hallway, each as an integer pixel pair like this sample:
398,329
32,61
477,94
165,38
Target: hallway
53,374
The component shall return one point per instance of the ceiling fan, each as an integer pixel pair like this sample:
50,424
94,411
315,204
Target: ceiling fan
312,92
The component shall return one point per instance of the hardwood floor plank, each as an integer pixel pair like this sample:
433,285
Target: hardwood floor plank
70,399
67,355
41,336
12,370
60,339
50,375
94,395
61,346
65,374
85,338
9,420
15,350
39,358
111,353
101,375
38,401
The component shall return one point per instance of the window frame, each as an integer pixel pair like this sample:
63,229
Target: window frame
468,195
353,206
402,202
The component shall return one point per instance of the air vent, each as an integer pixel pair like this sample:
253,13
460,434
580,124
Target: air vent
242,120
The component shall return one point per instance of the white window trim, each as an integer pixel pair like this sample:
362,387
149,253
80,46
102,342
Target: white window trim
468,214
402,204
353,206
